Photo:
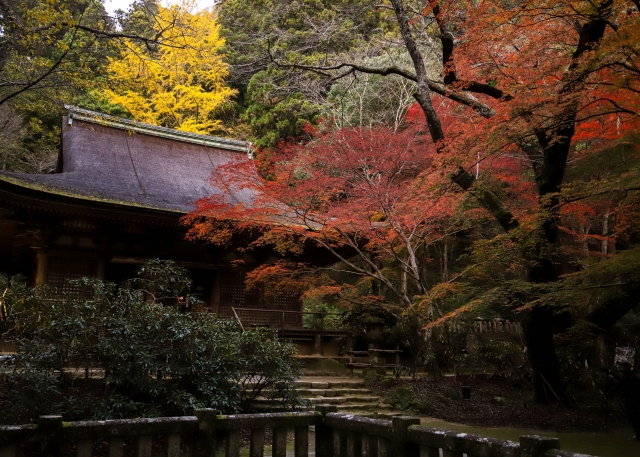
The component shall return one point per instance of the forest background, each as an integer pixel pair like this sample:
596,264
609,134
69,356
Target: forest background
455,158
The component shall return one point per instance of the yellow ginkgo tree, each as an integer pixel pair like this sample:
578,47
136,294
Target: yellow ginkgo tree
178,85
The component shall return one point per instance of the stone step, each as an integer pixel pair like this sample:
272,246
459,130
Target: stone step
347,399
331,392
346,395
362,398
349,384
351,391
325,400
328,384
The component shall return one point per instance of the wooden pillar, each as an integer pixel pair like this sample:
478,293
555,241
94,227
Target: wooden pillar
214,300
43,267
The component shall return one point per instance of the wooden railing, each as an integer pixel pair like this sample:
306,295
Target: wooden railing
276,318
336,435
374,359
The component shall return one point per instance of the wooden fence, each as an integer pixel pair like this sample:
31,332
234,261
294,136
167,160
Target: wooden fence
374,358
480,325
336,435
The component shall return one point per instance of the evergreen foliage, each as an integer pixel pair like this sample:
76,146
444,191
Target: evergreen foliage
133,351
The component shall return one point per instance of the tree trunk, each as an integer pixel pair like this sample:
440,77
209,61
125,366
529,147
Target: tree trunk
537,323
541,352
605,233
403,283
583,230
445,263
554,143
423,93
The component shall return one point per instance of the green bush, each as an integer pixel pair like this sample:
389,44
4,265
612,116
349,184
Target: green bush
370,377
422,406
387,382
126,354
402,398
329,367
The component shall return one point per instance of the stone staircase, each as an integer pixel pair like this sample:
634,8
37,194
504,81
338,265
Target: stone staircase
349,395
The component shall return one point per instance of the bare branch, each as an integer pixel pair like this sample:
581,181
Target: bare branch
437,87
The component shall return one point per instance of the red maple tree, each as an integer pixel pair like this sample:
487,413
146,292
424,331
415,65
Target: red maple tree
533,97
359,193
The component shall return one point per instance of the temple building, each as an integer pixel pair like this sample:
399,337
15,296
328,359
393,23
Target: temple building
116,201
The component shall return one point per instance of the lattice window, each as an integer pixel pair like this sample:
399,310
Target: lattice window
233,291
284,301
62,269
234,294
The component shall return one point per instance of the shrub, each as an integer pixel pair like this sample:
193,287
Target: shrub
126,354
370,377
387,382
402,398
326,367
422,406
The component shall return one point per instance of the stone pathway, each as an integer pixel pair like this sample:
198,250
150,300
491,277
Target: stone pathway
349,395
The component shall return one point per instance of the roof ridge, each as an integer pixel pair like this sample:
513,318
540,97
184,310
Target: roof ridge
95,117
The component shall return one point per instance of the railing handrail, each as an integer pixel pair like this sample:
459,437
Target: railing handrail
337,435
285,311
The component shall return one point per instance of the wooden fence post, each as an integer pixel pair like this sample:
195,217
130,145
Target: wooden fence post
205,441
324,434
49,430
399,425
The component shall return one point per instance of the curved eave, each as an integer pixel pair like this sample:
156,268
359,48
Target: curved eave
16,194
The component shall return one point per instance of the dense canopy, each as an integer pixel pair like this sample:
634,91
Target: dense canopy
454,158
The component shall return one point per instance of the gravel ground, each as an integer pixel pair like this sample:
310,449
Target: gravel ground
494,403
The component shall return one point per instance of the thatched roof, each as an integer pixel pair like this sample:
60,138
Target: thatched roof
127,163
